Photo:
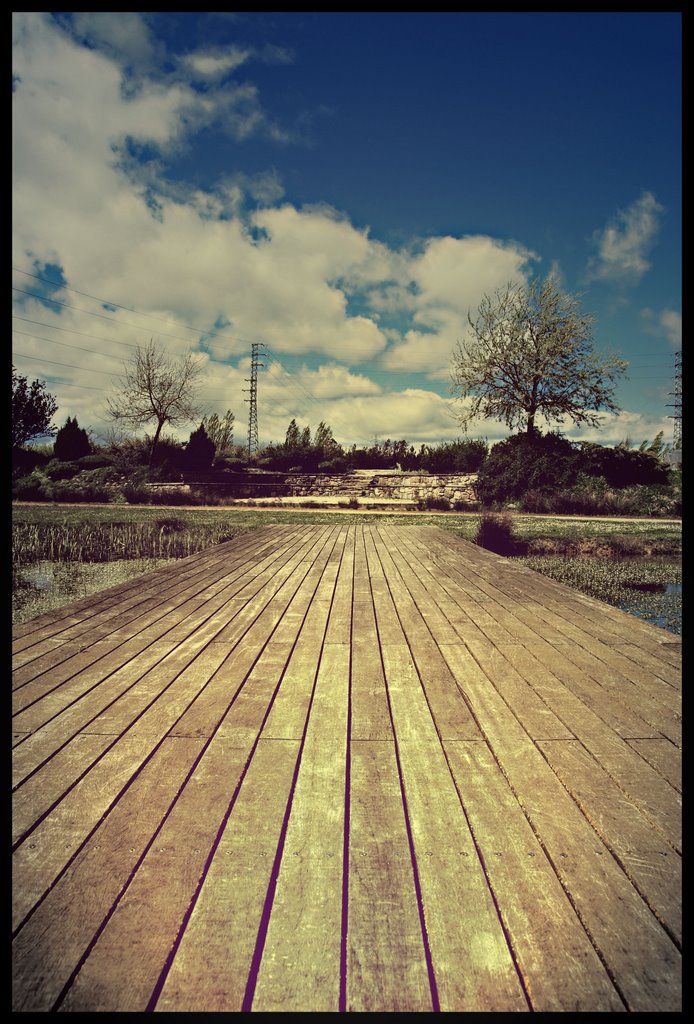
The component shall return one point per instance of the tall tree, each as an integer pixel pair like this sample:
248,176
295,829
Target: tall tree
531,354
71,442
220,431
292,440
323,437
156,388
32,410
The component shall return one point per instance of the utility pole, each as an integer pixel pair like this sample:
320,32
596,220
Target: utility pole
677,404
253,400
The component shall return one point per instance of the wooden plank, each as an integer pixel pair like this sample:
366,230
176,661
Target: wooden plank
50,943
212,964
370,714
472,963
650,863
321,790
654,796
604,897
451,714
122,970
386,961
562,972
301,957
41,744
664,756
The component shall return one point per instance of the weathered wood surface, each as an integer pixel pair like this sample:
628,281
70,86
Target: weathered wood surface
346,768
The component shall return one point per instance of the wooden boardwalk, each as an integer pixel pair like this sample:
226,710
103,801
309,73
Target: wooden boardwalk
325,768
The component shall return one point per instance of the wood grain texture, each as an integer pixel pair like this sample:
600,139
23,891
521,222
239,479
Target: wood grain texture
345,768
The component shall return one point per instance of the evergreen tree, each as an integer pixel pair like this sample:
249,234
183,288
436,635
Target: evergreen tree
200,450
71,441
292,440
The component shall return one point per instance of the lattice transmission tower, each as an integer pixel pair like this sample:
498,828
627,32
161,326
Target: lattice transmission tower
256,351
677,404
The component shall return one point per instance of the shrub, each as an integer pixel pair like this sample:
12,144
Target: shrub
57,470
96,460
25,460
33,487
495,533
336,465
136,492
430,503
231,463
453,457
173,496
81,491
622,466
526,462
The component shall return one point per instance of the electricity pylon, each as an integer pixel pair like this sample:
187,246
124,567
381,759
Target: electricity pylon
677,404
253,400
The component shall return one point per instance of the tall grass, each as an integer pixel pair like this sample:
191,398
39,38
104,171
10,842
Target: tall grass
108,542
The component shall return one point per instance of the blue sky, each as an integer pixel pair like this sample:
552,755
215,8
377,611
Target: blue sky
342,188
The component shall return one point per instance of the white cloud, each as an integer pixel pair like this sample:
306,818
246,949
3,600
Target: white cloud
623,245
216,63
450,277
124,34
665,324
306,282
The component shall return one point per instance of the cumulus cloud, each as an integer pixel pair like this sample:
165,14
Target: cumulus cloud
123,34
448,279
144,256
623,245
213,64
665,324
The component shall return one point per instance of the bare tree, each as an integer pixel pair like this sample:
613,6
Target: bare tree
530,354
156,388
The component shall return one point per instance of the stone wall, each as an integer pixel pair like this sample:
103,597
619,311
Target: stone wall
409,487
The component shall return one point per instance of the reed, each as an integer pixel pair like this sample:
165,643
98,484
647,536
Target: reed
109,542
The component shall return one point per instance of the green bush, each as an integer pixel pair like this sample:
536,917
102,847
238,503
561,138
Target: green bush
136,492
495,533
453,457
622,466
58,470
82,488
96,460
173,496
336,465
430,503
523,462
231,463
594,497
26,460
33,487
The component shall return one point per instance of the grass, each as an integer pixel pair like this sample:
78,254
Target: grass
591,555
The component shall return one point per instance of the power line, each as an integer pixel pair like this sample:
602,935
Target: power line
129,309
102,316
70,330
64,344
71,366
